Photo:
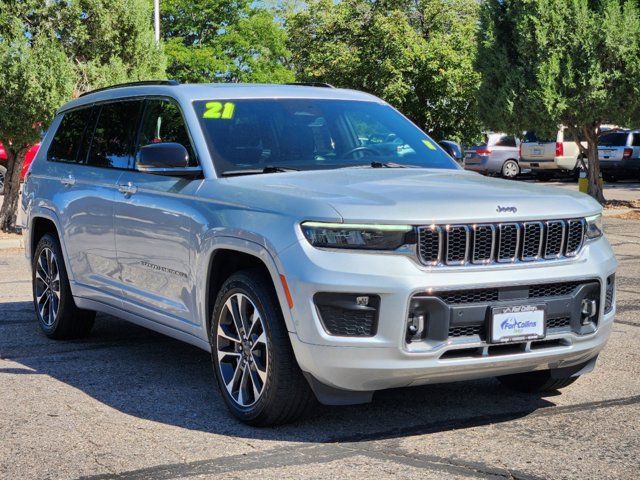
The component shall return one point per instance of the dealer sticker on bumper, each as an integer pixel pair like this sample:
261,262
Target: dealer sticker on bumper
517,323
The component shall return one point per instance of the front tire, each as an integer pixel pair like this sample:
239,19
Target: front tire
253,360
57,313
510,169
535,382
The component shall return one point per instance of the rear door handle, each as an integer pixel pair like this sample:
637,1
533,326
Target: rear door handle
128,189
68,181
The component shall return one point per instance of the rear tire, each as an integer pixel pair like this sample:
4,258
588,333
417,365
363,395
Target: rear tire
510,169
253,360
3,174
57,313
535,382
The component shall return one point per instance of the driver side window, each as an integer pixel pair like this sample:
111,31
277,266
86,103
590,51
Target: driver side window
162,122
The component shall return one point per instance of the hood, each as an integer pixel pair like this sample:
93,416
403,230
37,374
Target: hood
423,196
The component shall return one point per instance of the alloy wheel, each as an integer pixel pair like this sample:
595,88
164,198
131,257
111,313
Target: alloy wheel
242,348
47,289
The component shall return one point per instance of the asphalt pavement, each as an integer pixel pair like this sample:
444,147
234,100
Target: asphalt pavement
130,403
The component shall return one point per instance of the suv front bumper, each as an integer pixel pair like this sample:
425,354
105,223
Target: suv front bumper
386,360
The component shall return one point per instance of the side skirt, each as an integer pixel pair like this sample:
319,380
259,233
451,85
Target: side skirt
87,304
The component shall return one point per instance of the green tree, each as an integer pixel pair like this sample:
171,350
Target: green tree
223,41
546,63
418,55
52,51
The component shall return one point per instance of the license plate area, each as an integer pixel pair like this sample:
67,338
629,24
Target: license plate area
517,323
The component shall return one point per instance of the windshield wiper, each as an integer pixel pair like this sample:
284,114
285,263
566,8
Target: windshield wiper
256,171
389,165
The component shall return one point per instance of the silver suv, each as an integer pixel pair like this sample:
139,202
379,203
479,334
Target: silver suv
314,240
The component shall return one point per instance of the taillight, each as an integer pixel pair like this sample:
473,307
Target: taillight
627,153
520,151
483,151
559,149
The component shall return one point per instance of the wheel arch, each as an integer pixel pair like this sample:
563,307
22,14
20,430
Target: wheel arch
41,222
231,255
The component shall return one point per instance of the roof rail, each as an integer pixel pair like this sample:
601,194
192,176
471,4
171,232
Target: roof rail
312,84
133,84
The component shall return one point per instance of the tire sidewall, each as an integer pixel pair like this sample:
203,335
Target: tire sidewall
257,293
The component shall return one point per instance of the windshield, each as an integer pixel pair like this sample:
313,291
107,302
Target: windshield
613,139
312,134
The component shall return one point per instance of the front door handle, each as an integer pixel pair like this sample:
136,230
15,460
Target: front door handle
128,189
68,181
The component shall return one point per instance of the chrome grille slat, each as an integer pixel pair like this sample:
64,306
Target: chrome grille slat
430,244
575,236
533,234
554,240
484,238
509,242
457,244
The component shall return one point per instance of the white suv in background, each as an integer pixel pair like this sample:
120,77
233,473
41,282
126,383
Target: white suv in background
548,156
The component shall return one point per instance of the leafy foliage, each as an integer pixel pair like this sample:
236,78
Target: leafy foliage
223,40
50,51
418,55
546,63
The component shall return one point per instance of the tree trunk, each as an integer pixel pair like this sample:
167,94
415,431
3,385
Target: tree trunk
595,187
15,159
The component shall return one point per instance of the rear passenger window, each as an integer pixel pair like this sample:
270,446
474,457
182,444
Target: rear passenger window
112,142
162,122
636,140
506,141
66,142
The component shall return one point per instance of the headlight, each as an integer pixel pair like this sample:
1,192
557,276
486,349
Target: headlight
594,227
357,236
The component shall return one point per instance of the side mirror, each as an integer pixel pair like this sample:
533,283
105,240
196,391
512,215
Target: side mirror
165,159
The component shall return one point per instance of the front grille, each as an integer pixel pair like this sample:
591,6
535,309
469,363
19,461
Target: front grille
467,331
552,289
482,295
502,242
559,322
455,297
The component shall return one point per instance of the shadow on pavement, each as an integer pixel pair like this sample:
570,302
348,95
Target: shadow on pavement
152,377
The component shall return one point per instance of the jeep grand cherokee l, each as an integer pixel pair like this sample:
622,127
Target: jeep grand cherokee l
272,226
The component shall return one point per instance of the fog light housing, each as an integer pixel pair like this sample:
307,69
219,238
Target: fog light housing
588,310
348,314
